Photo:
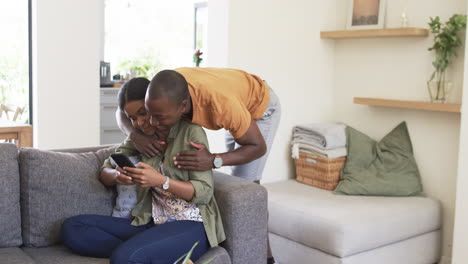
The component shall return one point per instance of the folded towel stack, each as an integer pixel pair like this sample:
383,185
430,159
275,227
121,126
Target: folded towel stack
326,140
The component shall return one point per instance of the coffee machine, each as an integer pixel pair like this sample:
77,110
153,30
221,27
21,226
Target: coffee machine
105,74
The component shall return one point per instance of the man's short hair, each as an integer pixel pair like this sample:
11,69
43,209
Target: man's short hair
168,83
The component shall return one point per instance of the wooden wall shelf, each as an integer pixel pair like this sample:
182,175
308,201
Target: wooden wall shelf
419,105
375,33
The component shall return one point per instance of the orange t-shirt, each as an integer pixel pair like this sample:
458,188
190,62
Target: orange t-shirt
226,98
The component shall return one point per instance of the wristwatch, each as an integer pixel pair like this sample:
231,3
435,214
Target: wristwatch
218,161
165,186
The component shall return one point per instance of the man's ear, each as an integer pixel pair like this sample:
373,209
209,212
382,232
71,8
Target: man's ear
184,105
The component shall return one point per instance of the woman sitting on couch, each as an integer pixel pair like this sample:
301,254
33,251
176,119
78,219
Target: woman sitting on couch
161,211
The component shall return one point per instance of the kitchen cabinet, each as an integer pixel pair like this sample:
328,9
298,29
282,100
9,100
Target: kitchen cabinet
109,131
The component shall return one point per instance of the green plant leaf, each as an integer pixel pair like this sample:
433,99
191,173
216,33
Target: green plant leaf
179,259
187,255
446,39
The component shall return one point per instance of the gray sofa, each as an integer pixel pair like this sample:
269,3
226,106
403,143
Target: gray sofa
40,189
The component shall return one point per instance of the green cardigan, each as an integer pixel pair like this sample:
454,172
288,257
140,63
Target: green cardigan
178,140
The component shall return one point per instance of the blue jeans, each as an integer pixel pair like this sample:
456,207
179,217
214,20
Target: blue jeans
115,238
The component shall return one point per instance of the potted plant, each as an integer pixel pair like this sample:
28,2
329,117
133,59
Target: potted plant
186,257
446,40
145,65
197,59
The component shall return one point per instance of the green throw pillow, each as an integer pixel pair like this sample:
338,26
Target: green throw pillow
386,168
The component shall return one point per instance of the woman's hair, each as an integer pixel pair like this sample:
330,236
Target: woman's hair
132,90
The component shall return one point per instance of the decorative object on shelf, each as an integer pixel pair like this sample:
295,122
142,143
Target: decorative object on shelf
404,20
439,88
404,16
446,40
197,59
366,14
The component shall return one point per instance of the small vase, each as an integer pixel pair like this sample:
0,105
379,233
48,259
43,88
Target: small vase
439,88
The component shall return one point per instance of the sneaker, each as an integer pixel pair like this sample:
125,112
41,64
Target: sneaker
272,261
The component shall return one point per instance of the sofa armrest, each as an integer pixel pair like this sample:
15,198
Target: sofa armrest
243,206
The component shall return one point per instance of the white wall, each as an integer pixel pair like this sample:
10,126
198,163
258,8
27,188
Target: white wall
397,68
218,20
460,234
279,41
66,52
218,15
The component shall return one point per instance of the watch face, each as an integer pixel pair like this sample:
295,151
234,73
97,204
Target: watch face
166,184
218,162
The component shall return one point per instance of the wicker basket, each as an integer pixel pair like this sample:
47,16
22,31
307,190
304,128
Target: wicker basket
318,171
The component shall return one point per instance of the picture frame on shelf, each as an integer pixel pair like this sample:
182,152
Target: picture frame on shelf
366,14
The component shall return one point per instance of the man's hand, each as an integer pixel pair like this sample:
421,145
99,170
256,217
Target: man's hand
149,146
197,160
145,175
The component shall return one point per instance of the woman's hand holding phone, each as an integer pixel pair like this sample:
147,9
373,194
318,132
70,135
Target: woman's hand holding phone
122,178
145,175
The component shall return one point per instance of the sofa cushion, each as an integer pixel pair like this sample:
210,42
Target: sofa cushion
10,220
61,255
423,249
346,225
386,168
14,255
55,186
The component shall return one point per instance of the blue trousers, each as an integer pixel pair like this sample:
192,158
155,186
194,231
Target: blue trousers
115,238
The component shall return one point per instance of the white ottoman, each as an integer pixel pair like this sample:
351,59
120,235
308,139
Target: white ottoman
311,225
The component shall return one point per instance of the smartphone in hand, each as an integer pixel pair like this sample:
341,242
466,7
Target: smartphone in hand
122,160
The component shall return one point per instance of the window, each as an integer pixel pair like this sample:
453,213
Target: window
201,28
143,37
15,55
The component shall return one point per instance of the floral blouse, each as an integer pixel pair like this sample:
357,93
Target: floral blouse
167,207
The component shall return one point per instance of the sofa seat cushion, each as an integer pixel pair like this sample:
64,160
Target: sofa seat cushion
346,225
55,186
14,255
61,255
10,220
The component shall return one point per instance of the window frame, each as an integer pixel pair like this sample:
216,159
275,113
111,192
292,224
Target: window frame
197,6
30,52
